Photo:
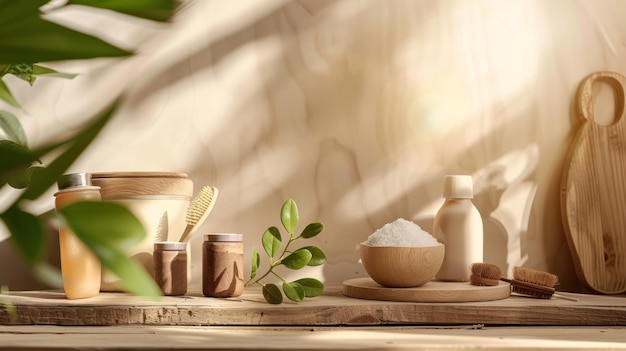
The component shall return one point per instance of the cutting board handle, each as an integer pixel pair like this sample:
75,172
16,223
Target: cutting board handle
584,95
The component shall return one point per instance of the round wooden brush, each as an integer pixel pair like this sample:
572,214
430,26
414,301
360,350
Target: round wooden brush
485,274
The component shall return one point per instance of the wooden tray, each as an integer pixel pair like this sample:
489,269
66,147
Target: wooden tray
593,192
433,291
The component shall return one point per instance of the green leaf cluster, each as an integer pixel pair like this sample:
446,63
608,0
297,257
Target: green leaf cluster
272,241
27,38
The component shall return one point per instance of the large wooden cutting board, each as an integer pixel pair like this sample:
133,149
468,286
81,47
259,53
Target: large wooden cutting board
593,192
433,291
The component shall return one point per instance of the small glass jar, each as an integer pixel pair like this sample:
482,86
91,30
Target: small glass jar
222,265
170,267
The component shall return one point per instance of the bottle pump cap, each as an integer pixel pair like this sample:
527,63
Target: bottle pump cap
74,180
458,187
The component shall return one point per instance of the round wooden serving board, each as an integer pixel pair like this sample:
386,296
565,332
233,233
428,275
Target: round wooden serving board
433,291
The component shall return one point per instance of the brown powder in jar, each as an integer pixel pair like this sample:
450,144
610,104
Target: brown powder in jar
222,268
170,271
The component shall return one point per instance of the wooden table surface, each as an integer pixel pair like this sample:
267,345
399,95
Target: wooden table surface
141,337
114,321
330,309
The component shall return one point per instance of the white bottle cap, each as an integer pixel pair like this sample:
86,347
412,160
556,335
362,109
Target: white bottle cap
458,187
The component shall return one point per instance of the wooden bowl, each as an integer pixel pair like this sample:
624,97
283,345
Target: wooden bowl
401,267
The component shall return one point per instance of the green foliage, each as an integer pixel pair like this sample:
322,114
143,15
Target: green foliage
110,230
12,128
9,308
31,238
271,241
27,38
272,294
305,256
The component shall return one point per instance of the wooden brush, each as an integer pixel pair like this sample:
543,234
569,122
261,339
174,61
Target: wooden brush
485,274
198,210
532,282
526,281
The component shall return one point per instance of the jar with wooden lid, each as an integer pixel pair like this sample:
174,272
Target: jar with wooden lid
158,199
222,265
170,267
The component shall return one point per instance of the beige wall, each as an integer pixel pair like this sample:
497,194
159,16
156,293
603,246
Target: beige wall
355,109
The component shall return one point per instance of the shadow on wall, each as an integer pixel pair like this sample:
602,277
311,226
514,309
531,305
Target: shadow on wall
336,165
325,108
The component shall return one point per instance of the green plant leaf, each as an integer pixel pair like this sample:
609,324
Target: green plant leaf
255,262
27,233
272,294
103,224
12,11
15,159
5,94
293,291
22,179
312,287
48,274
42,181
271,241
318,257
133,277
49,72
312,230
29,38
26,37
297,259
289,215
12,128
110,230
157,10
23,71
9,308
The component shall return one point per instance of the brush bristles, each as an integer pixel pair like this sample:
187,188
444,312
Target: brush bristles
485,274
533,282
199,205
535,276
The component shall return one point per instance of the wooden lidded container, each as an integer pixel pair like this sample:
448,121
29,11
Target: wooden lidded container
158,199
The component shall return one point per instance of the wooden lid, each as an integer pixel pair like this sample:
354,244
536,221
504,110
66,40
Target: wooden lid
118,185
138,175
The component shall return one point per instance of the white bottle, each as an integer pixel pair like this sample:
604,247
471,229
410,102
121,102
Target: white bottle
459,226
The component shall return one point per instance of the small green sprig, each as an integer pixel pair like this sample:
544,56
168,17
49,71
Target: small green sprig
297,259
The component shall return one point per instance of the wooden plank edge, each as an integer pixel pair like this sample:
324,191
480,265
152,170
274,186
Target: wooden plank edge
376,314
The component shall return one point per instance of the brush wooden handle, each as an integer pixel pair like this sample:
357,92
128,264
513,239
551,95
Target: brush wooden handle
187,233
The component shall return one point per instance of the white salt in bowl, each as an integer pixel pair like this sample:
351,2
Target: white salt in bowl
402,267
